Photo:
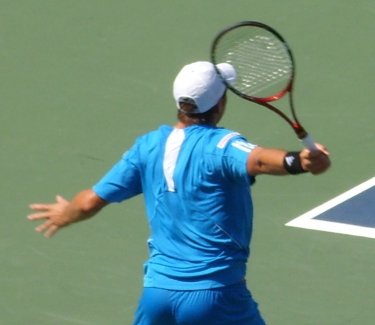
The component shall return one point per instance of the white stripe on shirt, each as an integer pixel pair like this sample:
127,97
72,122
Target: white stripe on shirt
172,149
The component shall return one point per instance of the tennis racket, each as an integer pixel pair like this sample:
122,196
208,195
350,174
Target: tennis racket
264,66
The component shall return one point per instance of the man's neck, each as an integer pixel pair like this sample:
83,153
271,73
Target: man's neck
182,125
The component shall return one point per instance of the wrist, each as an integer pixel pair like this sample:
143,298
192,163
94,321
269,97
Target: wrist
292,163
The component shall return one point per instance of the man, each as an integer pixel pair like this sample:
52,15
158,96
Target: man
195,178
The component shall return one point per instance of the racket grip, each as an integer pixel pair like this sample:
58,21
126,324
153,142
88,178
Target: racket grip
309,143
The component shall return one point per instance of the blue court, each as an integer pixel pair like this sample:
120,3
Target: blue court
351,213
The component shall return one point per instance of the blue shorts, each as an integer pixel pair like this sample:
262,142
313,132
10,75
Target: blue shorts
230,305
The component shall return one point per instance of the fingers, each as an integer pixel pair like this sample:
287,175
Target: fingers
323,149
51,213
43,211
48,228
60,199
44,226
316,161
39,206
38,216
51,231
320,166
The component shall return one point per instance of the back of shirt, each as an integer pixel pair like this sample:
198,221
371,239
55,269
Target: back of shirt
198,203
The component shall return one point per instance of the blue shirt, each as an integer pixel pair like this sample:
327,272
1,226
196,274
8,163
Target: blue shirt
198,203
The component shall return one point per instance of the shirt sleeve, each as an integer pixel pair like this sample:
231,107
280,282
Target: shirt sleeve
122,181
235,157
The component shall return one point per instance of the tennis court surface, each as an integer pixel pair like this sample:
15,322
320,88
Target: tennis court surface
81,79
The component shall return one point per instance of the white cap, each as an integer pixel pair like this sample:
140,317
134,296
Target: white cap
199,83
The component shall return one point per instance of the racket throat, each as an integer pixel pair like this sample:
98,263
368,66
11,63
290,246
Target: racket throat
299,130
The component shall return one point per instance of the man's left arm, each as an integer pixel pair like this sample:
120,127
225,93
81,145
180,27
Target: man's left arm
63,212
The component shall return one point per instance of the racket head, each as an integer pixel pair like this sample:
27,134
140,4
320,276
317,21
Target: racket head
261,57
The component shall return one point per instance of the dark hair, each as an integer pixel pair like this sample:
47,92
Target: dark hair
186,114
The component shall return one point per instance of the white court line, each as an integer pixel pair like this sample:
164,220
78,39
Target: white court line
307,220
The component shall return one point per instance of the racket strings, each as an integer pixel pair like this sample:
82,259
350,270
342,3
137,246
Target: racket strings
262,62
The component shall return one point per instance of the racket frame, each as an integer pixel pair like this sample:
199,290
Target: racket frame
295,124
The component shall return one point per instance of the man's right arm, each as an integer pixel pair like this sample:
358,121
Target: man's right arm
272,161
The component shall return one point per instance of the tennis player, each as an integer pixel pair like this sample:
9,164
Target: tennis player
196,179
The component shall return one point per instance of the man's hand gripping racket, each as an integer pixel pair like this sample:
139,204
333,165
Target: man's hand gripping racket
264,66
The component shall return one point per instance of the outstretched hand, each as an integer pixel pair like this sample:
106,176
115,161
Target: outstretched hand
63,212
53,214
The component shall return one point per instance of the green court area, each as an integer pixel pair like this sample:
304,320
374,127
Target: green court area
80,79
